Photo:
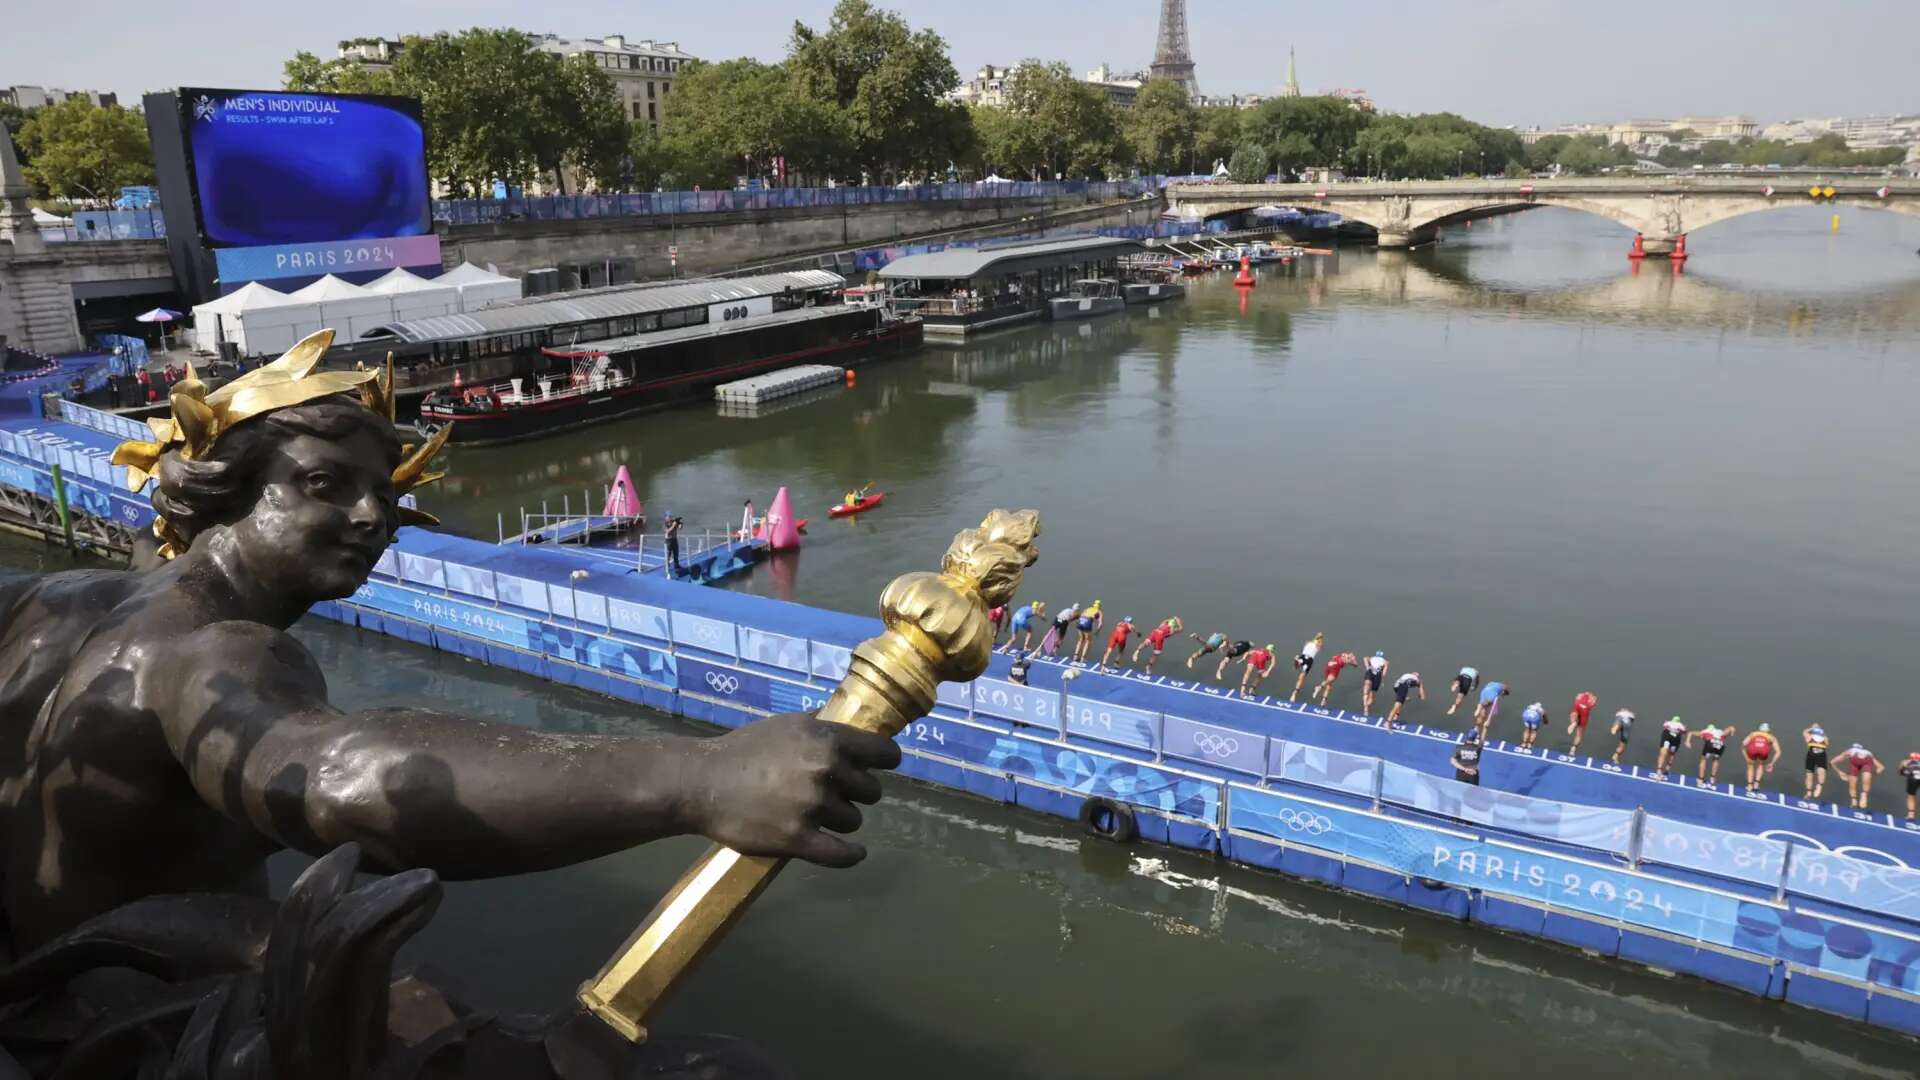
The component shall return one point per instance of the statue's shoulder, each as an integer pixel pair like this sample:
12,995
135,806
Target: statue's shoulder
65,594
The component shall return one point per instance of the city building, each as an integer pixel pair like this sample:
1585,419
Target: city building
1172,57
987,87
1292,89
1648,136
34,97
375,53
1860,132
1123,88
1354,96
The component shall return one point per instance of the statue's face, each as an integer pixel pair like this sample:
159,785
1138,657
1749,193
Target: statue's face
326,512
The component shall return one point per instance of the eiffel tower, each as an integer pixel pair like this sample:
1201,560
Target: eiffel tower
1171,60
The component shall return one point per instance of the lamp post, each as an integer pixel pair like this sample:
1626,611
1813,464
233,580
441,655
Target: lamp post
573,595
1066,678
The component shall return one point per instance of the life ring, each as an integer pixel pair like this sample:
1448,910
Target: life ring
1105,819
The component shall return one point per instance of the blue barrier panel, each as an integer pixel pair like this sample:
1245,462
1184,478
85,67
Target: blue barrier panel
954,695
470,581
1597,827
830,661
1112,723
1210,744
485,623
388,565
521,592
745,689
640,620
1303,764
773,650
1021,704
1712,851
422,570
700,632
1892,891
563,601
132,513
1096,774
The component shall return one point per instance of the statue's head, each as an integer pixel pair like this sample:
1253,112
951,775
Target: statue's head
302,470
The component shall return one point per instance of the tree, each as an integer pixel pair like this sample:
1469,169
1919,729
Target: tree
1582,157
1161,127
888,85
308,74
81,150
1295,153
584,124
1248,164
1325,127
1068,128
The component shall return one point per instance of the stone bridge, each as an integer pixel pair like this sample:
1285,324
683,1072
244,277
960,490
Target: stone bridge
1661,209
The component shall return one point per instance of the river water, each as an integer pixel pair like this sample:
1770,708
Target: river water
1689,493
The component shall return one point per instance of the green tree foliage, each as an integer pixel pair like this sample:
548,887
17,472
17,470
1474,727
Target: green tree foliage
494,106
1248,164
997,140
1063,127
1161,126
1582,157
1829,151
886,85
1321,128
736,116
1216,136
77,149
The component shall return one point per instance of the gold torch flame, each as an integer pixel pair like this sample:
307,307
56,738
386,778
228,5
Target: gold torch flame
937,630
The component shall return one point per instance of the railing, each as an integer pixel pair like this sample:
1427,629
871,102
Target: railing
646,204
145,224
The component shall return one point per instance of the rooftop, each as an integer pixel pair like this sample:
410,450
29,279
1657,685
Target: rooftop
957,263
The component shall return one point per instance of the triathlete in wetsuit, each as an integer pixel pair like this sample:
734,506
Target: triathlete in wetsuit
1234,652
1910,769
1489,706
1713,743
1023,620
998,617
1117,641
1815,737
1212,644
1622,728
1463,684
1370,681
1402,686
1259,663
1057,633
1531,718
1861,767
1336,664
1088,624
1673,735
1303,663
1157,638
1583,704
1466,759
1761,749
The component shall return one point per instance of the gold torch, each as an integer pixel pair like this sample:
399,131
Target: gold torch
937,630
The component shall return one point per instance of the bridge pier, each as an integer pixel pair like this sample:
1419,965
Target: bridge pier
1657,247
1396,239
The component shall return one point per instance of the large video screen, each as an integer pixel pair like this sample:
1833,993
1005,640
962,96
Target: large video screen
272,168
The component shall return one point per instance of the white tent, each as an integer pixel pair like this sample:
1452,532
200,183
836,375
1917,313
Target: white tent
414,297
271,327
478,287
223,317
349,309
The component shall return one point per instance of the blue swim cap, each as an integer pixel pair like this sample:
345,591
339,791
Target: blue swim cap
1129,618
1381,654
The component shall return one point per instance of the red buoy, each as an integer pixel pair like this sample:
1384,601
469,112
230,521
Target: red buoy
850,376
1679,249
1245,276
1639,247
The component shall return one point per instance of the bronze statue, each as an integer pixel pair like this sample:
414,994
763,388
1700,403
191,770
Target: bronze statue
161,734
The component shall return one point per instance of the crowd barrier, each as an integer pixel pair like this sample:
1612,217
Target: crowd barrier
643,204
1771,915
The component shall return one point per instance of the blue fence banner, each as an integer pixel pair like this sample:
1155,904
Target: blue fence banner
1021,704
773,650
422,570
1893,891
830,661
1597,827
1712,851
388,565
1208,744
470,581
485,623
700,632
745,689
1303,764
1107,722
954,695
521,592
1135,782
639,620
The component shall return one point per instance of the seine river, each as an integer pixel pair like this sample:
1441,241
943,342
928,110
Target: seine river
1691,494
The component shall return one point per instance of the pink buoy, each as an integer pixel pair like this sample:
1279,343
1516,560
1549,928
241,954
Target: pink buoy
783,532
622,500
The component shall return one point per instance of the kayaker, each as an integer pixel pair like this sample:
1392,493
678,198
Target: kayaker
1117,641
1212,644
1157,638
1815,737
1088,624
858,495
1303,663
1259,663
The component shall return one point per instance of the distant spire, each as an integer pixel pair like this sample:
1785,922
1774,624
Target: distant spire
1293,78
16,213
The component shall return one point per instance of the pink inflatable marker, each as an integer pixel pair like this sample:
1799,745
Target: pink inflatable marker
783,530
622,500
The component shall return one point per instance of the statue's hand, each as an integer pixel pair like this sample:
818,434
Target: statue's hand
781,785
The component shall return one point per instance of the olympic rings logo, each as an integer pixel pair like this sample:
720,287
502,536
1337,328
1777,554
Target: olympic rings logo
1216,745
725,684
1305,821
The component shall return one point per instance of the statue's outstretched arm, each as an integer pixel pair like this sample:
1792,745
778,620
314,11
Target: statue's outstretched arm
245,710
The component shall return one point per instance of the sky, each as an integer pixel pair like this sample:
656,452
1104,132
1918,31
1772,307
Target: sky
1502,62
